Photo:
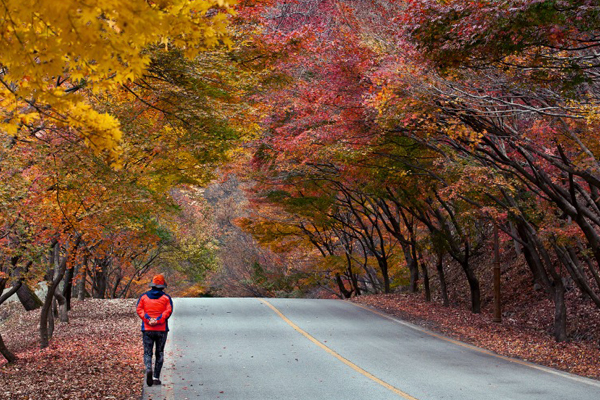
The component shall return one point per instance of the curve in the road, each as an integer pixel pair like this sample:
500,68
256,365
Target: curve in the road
250,349
484,351
339,357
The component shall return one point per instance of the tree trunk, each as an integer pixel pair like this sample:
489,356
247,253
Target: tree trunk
46,317
589,263
81,283
28,298
412,267
473,286
61,309
54,308
51,325
11,291
345,292
560,312
113,292
386,281
414,276
442,278
533,258
68,286
383,267
517,245
10,357
99,281
353,277
408,246
415,262
426,282
557,288
573,266
3,283
373,280
46,313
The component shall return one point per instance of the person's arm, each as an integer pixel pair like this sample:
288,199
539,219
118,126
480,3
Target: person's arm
141,312
167,312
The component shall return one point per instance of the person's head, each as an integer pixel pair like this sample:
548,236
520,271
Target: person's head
158,282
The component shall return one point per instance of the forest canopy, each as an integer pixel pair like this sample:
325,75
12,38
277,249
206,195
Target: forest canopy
363,146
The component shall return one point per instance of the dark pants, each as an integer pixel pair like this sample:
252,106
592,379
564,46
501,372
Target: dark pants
152,338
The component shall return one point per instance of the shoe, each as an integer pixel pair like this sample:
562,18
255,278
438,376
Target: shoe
149,380
156,381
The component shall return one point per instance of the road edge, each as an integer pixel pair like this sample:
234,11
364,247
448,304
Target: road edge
564,374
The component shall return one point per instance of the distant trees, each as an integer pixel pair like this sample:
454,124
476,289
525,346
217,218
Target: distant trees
385,138
414,127
105,125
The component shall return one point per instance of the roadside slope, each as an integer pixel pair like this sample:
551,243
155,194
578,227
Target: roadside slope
98,355
511,338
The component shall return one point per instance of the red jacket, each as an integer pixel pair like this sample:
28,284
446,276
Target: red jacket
155,304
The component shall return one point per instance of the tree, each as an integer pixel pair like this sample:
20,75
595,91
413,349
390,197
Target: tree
504,127
100,120
54,50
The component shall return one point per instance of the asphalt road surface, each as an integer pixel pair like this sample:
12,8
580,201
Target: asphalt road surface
293,349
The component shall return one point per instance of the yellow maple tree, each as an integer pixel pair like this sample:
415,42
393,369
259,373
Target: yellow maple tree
52,49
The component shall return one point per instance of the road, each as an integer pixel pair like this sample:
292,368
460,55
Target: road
305,349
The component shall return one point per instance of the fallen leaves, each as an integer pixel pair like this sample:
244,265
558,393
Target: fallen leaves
525,335
96,356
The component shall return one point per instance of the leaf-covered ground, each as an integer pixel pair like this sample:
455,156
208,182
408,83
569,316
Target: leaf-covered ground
97,355
523,335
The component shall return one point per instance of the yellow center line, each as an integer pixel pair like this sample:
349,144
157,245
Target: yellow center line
339,357
549,370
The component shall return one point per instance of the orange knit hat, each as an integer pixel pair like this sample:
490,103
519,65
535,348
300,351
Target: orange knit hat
158,281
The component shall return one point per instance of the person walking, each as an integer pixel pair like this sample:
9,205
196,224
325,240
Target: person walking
154,308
